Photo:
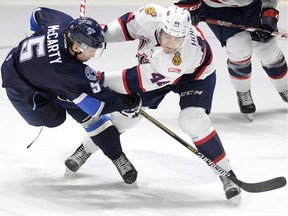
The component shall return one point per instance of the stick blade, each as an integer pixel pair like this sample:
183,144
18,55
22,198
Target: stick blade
259,187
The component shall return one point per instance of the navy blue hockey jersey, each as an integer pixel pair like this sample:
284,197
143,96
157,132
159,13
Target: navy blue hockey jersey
42,63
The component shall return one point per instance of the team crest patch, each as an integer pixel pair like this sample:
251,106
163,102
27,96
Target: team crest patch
90,73
150,11
177,60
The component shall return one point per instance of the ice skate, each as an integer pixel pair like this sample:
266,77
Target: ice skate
232,191
77,159
126,169
284,96
246,104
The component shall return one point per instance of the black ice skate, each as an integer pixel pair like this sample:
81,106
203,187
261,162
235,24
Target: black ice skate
126,169
232,191
77,159
246,104
284,96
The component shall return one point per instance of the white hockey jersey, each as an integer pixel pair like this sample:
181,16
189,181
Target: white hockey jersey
156,68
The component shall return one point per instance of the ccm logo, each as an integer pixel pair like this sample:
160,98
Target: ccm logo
174,70
191,92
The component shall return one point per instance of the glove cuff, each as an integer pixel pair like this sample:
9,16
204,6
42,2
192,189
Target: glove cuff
270,12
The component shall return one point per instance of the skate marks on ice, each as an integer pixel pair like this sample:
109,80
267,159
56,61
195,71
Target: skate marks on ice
98,185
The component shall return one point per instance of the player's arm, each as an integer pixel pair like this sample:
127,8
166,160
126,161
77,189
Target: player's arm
138,79
269,19
117,29
87,91
134,25
269,16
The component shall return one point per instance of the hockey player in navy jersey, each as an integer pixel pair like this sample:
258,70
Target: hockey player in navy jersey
173,56
241,45
45,77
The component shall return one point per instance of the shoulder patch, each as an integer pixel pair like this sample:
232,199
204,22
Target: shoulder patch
90,74
150,11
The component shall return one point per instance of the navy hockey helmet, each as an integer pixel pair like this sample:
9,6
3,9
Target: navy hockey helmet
86,32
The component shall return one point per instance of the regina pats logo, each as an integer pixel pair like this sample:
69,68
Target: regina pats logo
150,11
177,60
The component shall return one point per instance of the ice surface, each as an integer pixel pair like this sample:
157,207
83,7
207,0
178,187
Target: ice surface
172,181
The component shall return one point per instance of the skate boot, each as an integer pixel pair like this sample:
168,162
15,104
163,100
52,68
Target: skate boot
77,159
126,169
284,96
232,191
246,104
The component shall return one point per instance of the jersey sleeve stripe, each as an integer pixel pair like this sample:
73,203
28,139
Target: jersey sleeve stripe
97,125
132,80
140,79
124,81
123,20
90,105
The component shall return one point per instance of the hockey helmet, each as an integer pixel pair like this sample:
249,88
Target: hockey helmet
87,33
176,21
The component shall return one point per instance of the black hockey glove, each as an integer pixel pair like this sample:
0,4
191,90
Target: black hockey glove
132,105
193,6
269,19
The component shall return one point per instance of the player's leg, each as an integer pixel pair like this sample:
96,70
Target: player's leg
274,64
239,52
45,112
100,133
195,122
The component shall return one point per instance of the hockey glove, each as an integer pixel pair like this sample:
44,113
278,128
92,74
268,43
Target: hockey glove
193,6
269,19
132,105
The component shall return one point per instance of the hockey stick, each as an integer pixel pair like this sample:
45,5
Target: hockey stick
241,27
258,187
82,8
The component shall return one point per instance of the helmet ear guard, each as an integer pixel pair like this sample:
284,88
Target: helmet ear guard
176,21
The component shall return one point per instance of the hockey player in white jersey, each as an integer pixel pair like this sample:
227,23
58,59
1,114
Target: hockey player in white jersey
173,56
240,45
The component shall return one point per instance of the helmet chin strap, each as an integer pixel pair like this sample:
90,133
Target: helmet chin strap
157,35
82,48
76,54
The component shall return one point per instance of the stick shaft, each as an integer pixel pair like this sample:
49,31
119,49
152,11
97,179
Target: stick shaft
241,27
82,8
184,143
258,187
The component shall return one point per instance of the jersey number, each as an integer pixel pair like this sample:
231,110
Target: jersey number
27,48
156,77
95,86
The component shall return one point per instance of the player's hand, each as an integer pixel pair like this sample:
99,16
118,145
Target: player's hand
269,19
193,6
132,105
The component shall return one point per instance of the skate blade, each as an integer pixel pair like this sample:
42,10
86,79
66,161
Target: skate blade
133,185
68,172
236,200
249,116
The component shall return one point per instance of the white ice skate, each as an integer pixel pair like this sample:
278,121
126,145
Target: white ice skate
232,191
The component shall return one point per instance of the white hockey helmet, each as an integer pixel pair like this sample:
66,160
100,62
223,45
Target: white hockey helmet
176,21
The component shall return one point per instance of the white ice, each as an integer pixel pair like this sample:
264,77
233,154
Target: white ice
172,180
